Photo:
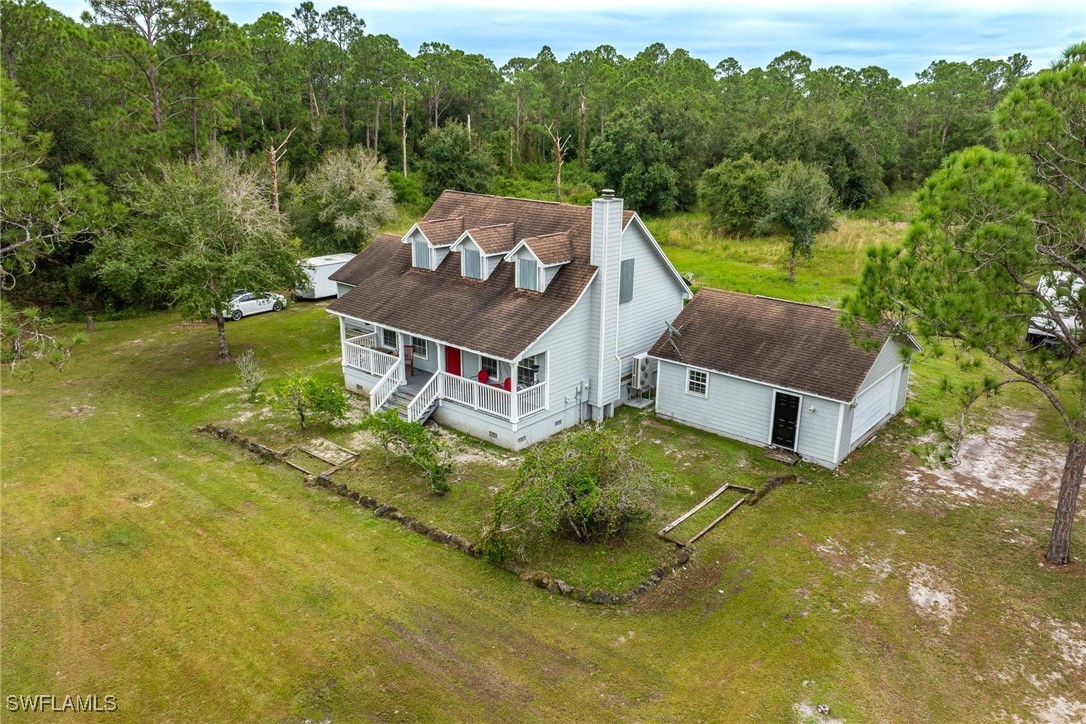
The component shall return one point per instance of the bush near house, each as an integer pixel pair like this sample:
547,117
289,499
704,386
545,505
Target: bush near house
585,485
410,439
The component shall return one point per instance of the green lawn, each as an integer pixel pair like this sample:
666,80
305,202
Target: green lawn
194,583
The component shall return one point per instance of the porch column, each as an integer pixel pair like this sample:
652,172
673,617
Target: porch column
342,340
514,412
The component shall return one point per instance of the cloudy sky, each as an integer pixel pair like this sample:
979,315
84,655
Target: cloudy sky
901,36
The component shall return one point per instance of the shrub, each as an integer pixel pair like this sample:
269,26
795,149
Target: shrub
733,193
342,203
250,374
452,159
308,396
586,485
406,189
410,439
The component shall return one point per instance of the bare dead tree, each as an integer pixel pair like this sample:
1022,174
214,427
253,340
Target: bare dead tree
561,146
275,155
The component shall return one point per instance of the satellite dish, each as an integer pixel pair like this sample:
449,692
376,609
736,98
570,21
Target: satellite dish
672,333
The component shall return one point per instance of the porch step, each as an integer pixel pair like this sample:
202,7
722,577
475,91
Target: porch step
399,401
788,457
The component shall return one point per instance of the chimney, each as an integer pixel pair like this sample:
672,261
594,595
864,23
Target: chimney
606,250
606,225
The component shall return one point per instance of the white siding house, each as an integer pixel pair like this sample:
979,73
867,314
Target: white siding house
541,342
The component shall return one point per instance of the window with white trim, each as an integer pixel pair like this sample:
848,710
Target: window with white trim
490,366
419,346
388,338
527,371
697,382
528,274
473,264
421,253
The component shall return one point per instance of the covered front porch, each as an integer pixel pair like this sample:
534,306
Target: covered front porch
432,371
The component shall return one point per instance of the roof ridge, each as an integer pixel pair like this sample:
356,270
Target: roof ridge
515,198
786,301
443,218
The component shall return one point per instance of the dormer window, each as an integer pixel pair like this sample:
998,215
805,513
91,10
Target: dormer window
420,253
473,263
528,274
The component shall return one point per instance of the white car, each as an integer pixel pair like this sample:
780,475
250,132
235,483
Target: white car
244,303
1062,289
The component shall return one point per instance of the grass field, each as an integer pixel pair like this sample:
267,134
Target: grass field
194,583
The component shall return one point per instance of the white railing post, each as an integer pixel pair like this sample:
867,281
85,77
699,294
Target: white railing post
514,407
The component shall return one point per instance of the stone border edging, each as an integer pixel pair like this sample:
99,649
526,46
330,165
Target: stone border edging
540,579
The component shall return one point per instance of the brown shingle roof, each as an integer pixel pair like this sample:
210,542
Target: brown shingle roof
494,239
781,343
350,272
444,231
493,316
551,248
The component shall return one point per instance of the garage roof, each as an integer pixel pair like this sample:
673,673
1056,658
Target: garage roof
774,341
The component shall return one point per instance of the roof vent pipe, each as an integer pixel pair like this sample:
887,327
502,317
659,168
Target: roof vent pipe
608,194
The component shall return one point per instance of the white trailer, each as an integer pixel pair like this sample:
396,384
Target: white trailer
318,269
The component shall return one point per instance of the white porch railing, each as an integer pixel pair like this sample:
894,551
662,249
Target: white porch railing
492,400
430,392
359,354
389,383
369,339
476,395
532,399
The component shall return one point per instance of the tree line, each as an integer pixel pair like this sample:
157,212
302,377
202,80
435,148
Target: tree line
136,84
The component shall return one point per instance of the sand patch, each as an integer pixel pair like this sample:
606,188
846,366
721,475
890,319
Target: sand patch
1003,461
1069,640
1057,710
807,712
932,597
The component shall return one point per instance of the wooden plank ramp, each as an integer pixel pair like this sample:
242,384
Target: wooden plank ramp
712,525
673,524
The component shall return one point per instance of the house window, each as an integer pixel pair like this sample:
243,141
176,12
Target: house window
419,346
528,274
388,338
490,366
697,382
473,264
526,372
625,281
422,253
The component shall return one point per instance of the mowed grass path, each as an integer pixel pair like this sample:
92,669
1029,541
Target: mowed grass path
196,584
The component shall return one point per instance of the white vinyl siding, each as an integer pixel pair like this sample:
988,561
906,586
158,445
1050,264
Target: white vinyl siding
473,264
421,253
743,410
626,281
657,297
527,274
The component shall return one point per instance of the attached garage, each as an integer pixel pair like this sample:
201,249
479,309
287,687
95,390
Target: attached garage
780,374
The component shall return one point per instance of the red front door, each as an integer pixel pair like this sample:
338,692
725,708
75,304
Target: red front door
452,360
